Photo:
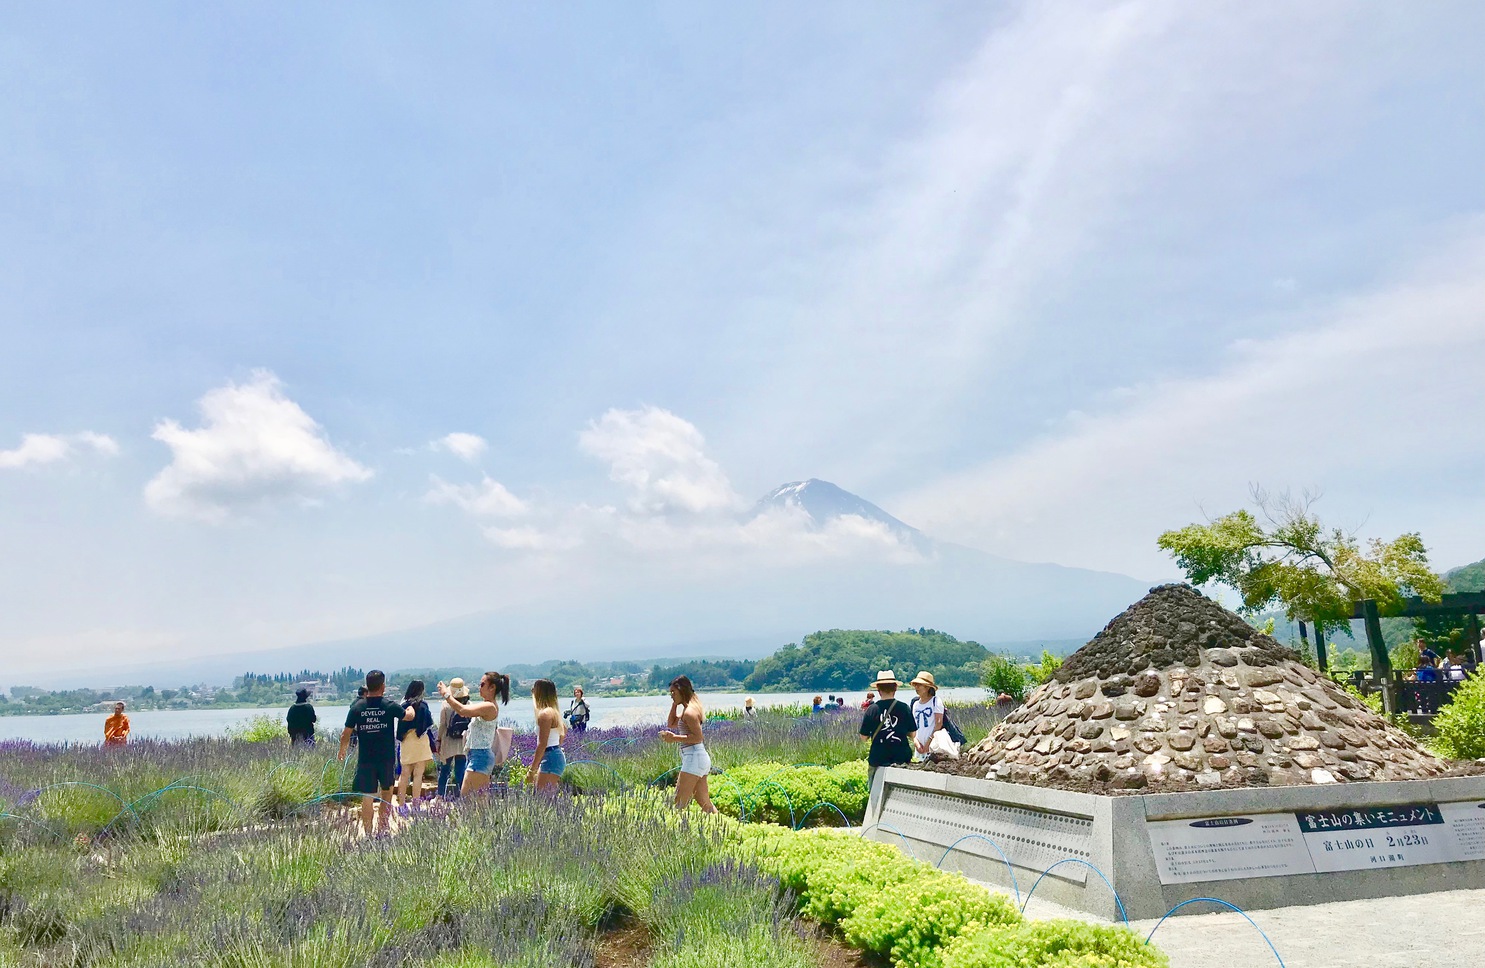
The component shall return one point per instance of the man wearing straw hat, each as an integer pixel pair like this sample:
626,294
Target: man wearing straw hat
886,726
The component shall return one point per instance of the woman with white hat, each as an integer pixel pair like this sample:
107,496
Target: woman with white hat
928,711
452,746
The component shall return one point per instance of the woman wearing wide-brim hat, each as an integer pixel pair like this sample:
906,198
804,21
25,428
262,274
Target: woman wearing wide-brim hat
928,711
453,748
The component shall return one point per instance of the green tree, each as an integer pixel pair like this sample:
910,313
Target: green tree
1291,560
1046,670
1000,674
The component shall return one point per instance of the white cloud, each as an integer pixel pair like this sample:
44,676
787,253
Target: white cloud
255,446
681,507
1375,400
487,499
531,539
36,450
658,456
466,447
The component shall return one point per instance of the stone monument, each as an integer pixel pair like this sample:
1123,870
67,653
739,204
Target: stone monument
1183,753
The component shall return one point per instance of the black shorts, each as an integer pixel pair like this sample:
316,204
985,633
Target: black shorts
373,778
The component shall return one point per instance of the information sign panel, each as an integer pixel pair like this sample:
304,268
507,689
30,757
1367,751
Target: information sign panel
1317,841
1467,821
1227,848
1401,835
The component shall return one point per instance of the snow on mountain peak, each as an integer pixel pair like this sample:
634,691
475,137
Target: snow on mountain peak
823,502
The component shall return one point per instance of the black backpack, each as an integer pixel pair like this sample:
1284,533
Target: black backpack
955,733
458,725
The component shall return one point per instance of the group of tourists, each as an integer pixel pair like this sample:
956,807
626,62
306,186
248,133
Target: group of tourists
1451,666
900,733
472,745
397,740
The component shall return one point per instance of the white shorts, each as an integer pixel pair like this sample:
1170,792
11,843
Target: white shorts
695,760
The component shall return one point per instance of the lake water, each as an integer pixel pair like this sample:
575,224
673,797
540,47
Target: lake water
183,723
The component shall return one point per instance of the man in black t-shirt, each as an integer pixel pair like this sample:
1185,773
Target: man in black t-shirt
372,720
887,724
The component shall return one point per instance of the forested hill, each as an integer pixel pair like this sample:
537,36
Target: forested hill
1466,578
848,660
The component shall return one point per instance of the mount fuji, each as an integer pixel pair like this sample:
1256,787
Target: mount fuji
748,608
822,502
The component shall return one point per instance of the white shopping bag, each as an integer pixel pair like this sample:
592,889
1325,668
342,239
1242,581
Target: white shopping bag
942,748
504,736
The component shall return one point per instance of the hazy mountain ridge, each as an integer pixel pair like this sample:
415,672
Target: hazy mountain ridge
746,614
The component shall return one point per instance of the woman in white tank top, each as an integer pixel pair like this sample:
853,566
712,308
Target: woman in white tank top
481,735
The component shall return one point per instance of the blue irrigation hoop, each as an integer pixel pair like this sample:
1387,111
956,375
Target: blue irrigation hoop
176,787
906,844
824,803
742,805
793,823
1075,860
1226,904
35,795
341,796
656,780
1003,859
34,822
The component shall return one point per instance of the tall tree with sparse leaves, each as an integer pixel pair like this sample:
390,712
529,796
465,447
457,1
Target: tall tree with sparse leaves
1283,556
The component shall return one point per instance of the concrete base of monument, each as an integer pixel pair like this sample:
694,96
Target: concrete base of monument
1256,848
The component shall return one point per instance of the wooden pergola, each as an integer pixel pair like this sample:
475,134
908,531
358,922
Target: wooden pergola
1471,605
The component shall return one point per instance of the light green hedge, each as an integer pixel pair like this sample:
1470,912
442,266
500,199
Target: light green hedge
770,790
920,917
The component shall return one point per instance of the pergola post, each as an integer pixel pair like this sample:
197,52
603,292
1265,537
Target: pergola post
1472,636
1381,661
1322,655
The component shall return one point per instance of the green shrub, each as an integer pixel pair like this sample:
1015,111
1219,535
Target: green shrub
1460,724
259,729
880,900
1001,675
1052,944
786,795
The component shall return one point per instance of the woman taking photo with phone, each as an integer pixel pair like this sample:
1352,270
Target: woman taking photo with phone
480,737
549,761
683,726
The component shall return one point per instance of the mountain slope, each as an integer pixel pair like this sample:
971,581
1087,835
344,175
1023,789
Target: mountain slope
745,611
823,502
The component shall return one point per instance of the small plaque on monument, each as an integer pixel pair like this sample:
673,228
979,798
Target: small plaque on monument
1226,848
1402,835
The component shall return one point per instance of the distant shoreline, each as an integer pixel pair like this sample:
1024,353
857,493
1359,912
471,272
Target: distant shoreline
16,709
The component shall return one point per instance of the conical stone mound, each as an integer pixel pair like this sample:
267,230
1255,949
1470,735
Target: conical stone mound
1179,693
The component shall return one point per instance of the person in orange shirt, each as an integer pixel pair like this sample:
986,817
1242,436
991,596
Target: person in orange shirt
116,727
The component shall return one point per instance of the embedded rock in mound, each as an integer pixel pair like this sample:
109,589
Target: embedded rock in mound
1179,693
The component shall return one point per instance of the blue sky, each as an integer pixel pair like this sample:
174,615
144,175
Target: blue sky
1044,279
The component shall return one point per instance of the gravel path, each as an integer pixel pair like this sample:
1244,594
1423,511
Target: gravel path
1443,930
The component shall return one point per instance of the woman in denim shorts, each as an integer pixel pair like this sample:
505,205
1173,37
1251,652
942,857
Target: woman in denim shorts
683,726
549,763
483,715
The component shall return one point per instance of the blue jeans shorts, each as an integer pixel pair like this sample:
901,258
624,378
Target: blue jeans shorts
695,760
553,761
482,761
